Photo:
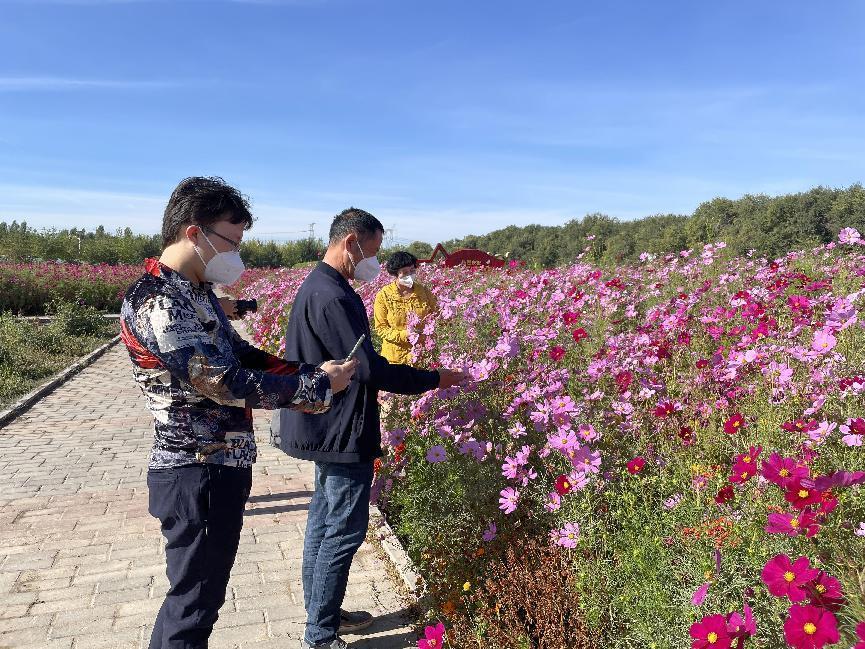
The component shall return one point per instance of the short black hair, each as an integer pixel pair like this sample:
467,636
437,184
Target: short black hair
398,260
200,200
357,221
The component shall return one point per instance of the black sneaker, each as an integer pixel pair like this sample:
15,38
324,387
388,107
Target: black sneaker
355,621
339,643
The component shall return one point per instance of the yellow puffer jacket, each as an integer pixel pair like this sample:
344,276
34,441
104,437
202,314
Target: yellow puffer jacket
391,314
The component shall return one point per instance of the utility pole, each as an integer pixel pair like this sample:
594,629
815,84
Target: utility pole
312,231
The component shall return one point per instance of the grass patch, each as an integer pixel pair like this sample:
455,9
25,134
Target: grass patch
30,352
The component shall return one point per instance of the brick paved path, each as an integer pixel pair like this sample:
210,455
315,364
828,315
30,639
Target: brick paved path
81,560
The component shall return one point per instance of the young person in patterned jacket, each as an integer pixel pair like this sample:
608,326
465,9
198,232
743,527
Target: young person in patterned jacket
201,381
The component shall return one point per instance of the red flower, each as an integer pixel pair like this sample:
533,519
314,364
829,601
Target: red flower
702,363
801,496
636,465
579,334
745,466
800,425
686,434
563,485
557,353
711,633
571,317
725,495
734,424
623,380
809,627
784,578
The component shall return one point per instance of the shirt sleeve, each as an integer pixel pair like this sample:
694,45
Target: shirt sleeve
169,328
384,330
340,329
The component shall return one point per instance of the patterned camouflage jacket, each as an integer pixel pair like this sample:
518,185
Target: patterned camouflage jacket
200,379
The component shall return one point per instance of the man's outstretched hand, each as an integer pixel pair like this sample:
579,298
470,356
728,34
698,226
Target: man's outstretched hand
450,378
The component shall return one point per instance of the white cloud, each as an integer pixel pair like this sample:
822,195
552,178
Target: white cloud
37,83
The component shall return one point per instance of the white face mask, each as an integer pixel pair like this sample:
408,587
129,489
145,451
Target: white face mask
406,280
367,269
223,268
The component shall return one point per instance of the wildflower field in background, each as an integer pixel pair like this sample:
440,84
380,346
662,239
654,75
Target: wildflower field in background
668,454
29,288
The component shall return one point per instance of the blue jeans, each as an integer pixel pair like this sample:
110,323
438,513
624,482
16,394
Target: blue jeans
335,528
200,508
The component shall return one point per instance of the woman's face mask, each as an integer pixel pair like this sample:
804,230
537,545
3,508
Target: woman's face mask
367,269
406,280
224,267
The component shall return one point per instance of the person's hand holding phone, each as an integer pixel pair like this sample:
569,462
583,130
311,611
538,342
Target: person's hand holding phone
340,373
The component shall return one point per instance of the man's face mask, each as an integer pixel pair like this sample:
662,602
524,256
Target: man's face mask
367,269
224,267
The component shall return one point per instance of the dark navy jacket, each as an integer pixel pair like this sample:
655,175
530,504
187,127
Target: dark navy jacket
327,317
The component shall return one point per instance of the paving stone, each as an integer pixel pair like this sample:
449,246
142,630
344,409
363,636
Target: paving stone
82,563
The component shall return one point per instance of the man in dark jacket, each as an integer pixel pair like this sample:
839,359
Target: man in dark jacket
327,318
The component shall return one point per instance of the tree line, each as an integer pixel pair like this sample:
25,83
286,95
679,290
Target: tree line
769,225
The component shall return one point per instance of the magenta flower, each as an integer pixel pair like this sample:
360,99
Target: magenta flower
710,633
809,627
636,465
784,578
860,631
699,595
793,524
783,471
740,626
826,592
801,496
508,500
433,637
490,533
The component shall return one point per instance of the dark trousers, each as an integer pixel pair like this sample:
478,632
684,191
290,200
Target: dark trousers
335,528
201,510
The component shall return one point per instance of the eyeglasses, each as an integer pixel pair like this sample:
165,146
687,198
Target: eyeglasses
234,244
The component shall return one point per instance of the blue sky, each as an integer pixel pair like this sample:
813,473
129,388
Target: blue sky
442,118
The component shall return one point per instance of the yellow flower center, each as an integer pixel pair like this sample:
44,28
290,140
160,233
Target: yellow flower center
783,473
712,637
789,576
432,642
794,522
821,588
744,475
746,459
809,628
566,485
803,493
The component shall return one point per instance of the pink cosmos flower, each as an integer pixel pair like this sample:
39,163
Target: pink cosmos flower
710,633
433,637
849,235
490,533
823,342
508,500
553,503
784,578
745,466
567,536
809,627
436,454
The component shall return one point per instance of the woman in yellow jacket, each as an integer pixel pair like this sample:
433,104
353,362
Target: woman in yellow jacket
393,304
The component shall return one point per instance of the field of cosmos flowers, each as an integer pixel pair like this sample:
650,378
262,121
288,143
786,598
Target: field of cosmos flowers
668,454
